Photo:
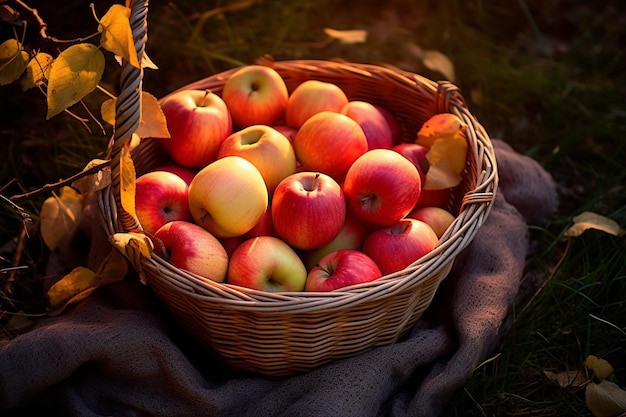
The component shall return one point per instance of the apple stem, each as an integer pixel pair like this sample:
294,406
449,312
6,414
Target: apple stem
206,94
316,180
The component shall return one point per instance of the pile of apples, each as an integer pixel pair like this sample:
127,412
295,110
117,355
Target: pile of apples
287,191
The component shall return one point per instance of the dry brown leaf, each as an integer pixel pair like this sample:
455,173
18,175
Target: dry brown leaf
605,399
96,181
567,378
590,220
60,215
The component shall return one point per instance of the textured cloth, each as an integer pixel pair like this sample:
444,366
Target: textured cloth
119,353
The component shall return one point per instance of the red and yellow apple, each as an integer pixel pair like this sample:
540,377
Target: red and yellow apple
340,269
268,150
185,173
381,187
160,197
395,247
308,209
188,246
372,121
228,197
266,263
198,122
439,219
329,142
255,95
312,97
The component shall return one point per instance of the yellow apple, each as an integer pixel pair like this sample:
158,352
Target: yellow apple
228,197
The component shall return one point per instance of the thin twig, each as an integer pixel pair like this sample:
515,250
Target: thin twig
43,26
55,186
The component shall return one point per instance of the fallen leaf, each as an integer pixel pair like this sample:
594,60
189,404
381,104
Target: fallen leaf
439,62
601,368
72,288
96,181
37,71
567,379
60,215
13,61
73,74
117,35
590,220
347,36
605,399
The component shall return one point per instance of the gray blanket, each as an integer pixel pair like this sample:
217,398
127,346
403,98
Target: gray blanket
119,353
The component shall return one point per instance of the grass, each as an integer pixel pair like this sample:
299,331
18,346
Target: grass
546,76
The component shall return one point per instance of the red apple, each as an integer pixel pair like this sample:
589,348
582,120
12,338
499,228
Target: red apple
341,268
395,247
266,263
329,142
434,198
381,187
308,209
228,197
351,236
372,121
185,173
264,226
392,121
312,97
416,154
198,122
288,131
188,246
255,95
439,219
268,150
160,197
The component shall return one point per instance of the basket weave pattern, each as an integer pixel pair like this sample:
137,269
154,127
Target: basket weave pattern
277,334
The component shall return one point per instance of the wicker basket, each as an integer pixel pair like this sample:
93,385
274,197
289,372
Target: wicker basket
277,334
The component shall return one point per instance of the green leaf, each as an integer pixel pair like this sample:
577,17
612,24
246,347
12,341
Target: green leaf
37,71
117,36
13,60
75,73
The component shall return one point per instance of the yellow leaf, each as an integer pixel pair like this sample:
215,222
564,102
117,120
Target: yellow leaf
96,181
590,220
437,61
605,399
13,60
117,35
439,125
113,268
128,177
600,367
37,71
146,62
153,123
130,243
107,111
73,74
59,216
73,287
347,36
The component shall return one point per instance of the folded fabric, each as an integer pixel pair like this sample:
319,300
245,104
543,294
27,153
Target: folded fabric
120,353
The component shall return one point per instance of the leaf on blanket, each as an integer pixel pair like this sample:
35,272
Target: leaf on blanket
60,216
605,399
590,220
96,181
601,368
72,288
444,134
